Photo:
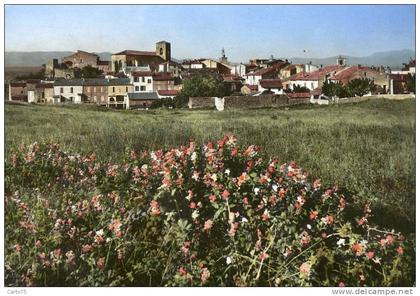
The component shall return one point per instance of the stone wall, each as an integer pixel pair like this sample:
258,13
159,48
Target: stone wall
262,101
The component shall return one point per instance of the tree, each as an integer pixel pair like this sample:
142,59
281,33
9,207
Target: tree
411,83
300,89
200,86
335,89
87,72
360,87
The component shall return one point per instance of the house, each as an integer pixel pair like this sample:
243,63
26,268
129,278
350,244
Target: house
192,64
104,66
141,81
171,67
238,70
142,100
163,81
291,70
233,82
347,74
18,91
253,78
220,67
135,58
118,90
271,85
81,59
163,94
44,93
312,80
248,89
95,91
68,91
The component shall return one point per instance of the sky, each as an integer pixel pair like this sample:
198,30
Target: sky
195,31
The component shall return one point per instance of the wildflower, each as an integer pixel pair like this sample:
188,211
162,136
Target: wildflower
317,184
357,248
242,178
305,238
313,215
208,224
233,228
70,257
308,226
256,190
389,239
192,205
383,242
328,220
370,255
86,248
341,285
225,194
38,244
265,216
228,260
212,197
100,263
245,200
304,269
362,221
400,250
120,254
115,225
227,172
244,220
263,256
342,203
275,187
195,214
154,208
194,156
182,271
17,248
341,242
205,274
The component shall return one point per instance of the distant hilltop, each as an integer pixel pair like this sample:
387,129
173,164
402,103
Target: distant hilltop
394,58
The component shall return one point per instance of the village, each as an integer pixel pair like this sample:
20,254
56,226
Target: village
138,79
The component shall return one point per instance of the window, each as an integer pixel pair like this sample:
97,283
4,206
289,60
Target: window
61,90
71,90
126,88
42,95
21,91
149,81
136,79
142,88
142,79
136,88
113,89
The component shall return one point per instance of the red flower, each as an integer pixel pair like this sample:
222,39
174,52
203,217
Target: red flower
212,198
192,205
357,248
370,255
225,194
313,215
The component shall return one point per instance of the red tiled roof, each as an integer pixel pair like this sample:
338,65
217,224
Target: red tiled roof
136,53
141,73
168,92
299,95
262,71
18,84
252,87
271,83
45,85
348,72
316,75
161,76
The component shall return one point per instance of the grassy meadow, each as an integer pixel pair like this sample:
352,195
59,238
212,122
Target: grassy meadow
368,148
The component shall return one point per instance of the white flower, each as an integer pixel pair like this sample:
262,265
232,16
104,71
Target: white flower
227,172
341,242
309,226
108,239
244,220
100,232
275,187
194,156
228,260
214,177
144,167
256,190
195,214
153,156
231,217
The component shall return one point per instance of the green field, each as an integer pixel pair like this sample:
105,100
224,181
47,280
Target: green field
368,147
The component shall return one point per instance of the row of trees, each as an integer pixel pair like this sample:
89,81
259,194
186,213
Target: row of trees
356,87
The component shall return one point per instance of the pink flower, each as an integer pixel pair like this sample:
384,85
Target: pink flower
313,215
225,194
120,254
305,238
193,205
362,221
357,248
182,271
100,263
265,216
70,257
370,255
212,198
263,256
400,250
389,239
86,248
205,274
154,208
233,228
208,224
341,285
305,269
17,248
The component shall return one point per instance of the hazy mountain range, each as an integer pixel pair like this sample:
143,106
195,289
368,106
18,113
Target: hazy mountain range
394,58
